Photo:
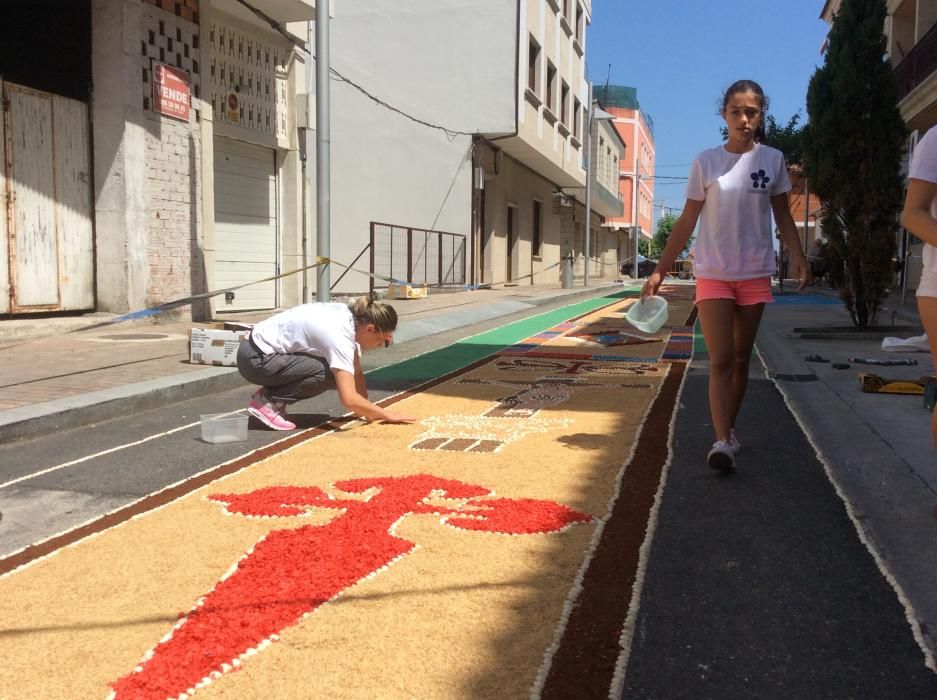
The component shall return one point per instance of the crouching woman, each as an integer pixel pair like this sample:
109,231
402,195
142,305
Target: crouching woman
304,351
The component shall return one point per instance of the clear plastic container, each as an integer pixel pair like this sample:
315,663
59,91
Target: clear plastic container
224,427
648,314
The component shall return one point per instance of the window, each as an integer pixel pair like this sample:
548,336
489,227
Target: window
533,65
564,104
577,108
551,86
537,234
579,22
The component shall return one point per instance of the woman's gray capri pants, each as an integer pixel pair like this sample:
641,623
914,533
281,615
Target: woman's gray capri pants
285,377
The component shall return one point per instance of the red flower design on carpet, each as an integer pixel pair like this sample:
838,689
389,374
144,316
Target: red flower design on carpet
290,573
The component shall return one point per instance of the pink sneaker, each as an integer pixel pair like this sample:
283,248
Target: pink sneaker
267,412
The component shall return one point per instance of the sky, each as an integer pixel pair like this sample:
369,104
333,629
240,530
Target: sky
681,55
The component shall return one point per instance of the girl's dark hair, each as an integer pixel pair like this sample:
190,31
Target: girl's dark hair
753,87
367,310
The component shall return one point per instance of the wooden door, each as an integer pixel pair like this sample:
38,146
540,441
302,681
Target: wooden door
47,192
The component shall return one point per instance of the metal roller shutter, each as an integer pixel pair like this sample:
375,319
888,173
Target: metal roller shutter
245,223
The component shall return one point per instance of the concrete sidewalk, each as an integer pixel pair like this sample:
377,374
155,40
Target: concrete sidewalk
875,448
53,377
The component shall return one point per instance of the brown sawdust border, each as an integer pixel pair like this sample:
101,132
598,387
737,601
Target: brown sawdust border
584,663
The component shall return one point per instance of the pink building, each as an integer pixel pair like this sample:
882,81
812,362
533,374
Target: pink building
637,131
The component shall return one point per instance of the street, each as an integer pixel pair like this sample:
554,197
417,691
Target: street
761,584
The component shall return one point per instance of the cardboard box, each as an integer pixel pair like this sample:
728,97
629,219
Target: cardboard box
874,384
216,343
406,291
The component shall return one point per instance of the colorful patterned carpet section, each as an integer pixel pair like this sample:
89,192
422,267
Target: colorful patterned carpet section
488,550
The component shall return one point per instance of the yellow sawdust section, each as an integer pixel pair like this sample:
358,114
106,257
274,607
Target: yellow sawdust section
466,614
606,333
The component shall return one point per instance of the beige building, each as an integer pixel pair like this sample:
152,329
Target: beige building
160,153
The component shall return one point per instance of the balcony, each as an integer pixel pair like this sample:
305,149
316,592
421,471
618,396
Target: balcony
918,65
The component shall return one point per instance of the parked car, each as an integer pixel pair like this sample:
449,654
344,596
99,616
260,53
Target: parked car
645,267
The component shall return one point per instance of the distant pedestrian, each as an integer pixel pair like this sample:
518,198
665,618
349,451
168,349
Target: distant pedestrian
306,350
732,191
920,218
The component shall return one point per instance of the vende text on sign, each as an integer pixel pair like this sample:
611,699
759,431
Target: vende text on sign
171,92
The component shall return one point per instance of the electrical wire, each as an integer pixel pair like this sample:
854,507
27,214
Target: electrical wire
450,133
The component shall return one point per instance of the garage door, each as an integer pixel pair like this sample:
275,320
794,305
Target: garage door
245,223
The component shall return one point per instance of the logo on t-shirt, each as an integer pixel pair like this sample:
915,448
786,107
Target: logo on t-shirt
760,180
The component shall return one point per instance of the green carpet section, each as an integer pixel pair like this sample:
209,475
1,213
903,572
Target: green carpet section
699,345
464,352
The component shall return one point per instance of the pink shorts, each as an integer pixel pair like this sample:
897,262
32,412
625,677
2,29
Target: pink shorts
742,292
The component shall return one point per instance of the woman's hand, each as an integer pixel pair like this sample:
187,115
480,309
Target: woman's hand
391,417
803,273
652,284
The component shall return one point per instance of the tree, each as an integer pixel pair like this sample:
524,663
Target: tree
853,146
664,227
643,246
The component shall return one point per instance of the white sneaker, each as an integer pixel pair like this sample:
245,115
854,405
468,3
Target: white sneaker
734,442
721,457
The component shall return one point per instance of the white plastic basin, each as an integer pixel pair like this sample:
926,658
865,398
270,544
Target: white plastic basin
224,427
648,314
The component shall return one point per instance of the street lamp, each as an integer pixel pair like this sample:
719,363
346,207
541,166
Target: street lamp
592,114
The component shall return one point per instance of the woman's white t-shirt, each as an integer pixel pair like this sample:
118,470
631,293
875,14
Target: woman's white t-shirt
323,329
734,238
924,167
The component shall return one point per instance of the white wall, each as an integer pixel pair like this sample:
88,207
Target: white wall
446,62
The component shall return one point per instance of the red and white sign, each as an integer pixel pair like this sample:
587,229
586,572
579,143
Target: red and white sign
171,92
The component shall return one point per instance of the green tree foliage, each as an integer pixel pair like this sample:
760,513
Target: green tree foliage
644,247
664,226
853,146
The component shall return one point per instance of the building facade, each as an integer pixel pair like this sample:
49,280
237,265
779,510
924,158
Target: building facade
173,154
911,28
468,168
636,129
161,162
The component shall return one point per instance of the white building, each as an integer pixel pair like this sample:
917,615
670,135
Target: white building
461,118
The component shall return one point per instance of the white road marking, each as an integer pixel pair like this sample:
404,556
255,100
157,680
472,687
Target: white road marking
118,448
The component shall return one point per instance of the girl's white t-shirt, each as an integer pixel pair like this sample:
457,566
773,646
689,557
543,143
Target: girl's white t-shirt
734,238
323,329
924,167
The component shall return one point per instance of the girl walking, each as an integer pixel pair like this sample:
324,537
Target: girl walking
732,191
310,348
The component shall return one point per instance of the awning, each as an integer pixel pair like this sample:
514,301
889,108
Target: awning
280,11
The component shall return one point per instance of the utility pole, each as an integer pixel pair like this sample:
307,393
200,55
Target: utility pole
588,195
323,153
636,228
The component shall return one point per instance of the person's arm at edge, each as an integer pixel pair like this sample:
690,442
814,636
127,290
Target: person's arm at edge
360,384
359,405
679,235
788,230
916,215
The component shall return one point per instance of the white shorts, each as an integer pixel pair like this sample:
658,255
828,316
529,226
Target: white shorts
928,285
